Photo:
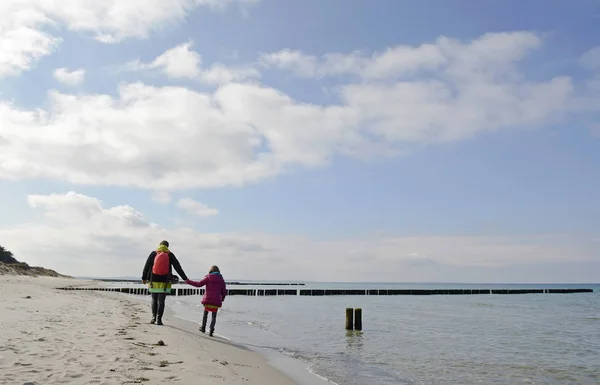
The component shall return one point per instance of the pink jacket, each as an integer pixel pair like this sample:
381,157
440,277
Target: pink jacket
216,290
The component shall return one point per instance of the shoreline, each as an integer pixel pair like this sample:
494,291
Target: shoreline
296,369
90,337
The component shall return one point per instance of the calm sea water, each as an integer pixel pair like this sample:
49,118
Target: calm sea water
470,339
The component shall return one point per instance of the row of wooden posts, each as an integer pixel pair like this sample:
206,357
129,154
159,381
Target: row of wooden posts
229,283
327,292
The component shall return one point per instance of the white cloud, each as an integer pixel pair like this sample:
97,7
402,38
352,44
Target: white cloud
221,74
432,112
213,140
177,62
591,59
241,133
70,78
490,55
24,26
112,21
22,39
81,236
161,197
296,61
182,62
196,208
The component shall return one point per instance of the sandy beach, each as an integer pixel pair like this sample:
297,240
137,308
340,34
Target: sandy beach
50,336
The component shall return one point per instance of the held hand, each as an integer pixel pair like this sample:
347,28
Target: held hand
144,281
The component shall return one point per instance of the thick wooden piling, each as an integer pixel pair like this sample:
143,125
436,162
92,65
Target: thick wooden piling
349,318
358,319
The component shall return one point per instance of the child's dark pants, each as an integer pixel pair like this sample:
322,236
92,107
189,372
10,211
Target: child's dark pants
213,321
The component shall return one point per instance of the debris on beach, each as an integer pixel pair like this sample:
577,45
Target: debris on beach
162,364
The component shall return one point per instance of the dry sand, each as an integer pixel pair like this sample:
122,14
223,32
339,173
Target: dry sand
89,337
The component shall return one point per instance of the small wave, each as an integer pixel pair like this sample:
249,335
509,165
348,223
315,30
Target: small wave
307,360
311,371
296,355
260,325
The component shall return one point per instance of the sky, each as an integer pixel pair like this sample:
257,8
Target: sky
387,141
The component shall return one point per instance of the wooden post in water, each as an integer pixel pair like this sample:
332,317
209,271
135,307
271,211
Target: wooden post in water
349,318
358,319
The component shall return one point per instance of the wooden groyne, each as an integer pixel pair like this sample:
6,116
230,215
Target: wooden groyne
235,283
328,292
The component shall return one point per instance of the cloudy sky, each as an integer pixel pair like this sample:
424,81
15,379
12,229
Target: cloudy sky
337,140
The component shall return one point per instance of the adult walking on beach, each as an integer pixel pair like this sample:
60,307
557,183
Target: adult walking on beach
158,274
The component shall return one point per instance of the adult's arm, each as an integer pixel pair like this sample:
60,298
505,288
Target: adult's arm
177,266
148,266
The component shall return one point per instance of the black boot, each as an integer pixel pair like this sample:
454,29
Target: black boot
204,317
159,320
153,320
213,321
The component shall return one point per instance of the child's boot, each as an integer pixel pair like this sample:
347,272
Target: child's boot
153,320
213,321
204,318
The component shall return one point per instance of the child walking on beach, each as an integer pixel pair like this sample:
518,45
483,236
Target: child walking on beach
214,295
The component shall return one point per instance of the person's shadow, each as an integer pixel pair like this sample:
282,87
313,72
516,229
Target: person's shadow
195,333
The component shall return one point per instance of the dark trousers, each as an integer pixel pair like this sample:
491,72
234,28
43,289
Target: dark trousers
213,321
158,304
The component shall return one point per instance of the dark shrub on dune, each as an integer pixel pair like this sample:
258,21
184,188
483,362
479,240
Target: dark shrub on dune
6,256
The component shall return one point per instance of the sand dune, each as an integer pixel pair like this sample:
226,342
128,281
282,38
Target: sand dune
48,336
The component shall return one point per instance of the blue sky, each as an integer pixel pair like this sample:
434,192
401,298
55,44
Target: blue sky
531,180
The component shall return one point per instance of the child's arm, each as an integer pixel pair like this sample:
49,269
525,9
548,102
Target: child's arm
223,291
197,283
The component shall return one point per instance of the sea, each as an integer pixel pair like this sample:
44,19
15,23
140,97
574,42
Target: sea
488,339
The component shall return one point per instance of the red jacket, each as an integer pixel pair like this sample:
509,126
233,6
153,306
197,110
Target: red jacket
216,290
